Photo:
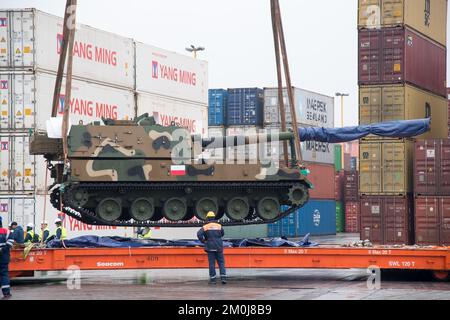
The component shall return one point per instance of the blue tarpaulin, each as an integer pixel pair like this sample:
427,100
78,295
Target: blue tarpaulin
393,129
119,242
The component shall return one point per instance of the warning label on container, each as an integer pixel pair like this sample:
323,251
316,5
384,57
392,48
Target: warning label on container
28,112
3,39
375,209
431,153
4,102
26,50
3,51
18,51
5,173
27,172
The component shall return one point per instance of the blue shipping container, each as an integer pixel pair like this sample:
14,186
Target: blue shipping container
317,217
217,105
245,107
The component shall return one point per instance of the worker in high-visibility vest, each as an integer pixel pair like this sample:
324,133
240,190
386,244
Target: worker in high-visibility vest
30,236
45,232
61,232
145,233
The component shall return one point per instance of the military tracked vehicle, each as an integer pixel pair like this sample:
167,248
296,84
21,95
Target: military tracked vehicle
139,173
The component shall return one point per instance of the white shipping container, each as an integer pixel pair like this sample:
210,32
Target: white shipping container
170,74
167,111
26,101
19,209
31,40
17,167
312,109
312,151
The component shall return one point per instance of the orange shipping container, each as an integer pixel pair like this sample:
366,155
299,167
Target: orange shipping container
322,176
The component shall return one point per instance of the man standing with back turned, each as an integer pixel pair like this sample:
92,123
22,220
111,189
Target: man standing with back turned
211,235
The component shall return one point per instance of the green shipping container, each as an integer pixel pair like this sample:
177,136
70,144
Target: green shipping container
246,232
340,217
338,157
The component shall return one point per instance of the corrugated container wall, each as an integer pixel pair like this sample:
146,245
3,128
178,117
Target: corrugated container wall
245,107
403,102
317,217
31,40
169,74
26,101
312,109
387,220
322,177
246,232
432,221
339,185
166,111
351,186
352,217
340,217
217,107
399,55
432,167
386,167
429,17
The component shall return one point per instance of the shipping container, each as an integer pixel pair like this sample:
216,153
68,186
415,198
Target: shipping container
387,220
386,167
312,109
245,107
20,209
338,157
288,226
169,74
432,220
312,151
340,217
246,232
317,217
217,107
354,164
26,101
428,17
403,102
322,177
432,167
31,40
274,229
339,191
352,217
191,116
351,186
401,55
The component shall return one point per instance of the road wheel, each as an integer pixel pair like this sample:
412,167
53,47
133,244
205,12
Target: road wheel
238,208
109,209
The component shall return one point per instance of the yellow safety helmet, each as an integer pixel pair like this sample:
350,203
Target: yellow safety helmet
210,215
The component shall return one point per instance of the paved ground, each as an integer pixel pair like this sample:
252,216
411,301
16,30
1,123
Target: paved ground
243,284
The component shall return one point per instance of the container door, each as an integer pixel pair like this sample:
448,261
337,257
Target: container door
444,174
427,220
5,210
370,168
444,221
369,56
371,220
370,105
394,168
369,14
393,107
4,39
396,221
5,165
393,12
426,166
22,111
22,37
352,217
393,60
5,101
23,210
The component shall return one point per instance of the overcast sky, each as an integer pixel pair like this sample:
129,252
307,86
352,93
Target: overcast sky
321,37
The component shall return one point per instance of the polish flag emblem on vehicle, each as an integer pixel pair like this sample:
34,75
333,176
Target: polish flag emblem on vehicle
178,171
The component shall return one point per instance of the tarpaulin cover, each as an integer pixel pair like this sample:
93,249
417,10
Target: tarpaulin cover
393,129
119,242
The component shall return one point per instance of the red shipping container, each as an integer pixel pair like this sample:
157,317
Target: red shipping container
387,220
339,186
351,186
322,176
352,217
432,221
432,167
399,55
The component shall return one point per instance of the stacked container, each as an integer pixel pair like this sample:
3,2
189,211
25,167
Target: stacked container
402,76
170,87
432,191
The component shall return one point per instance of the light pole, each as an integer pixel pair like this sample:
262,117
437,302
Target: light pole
194,49
342,95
